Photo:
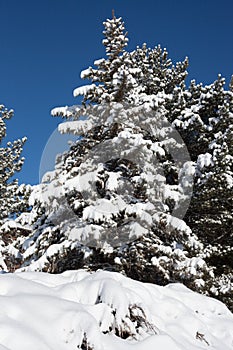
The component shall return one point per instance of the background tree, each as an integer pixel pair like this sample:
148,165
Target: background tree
12,200
13,197
206,126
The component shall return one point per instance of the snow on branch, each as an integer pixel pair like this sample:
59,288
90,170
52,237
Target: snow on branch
78,127
83,90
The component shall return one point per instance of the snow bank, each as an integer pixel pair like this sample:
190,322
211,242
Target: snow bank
107,311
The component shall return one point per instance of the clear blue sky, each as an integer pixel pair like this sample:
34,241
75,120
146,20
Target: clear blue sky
44,45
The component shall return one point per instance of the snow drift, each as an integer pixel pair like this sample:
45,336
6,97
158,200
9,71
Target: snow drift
105,310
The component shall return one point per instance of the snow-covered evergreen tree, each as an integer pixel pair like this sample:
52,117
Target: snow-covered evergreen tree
117,198
214,176
11,200
206,126
13,197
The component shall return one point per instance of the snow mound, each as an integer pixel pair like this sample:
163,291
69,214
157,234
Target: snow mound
107,311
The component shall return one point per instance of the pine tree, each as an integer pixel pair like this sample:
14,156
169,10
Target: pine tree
13,197
206,127
11,194
213,189
117,197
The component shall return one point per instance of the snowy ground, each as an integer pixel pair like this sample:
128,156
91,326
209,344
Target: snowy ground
39,311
